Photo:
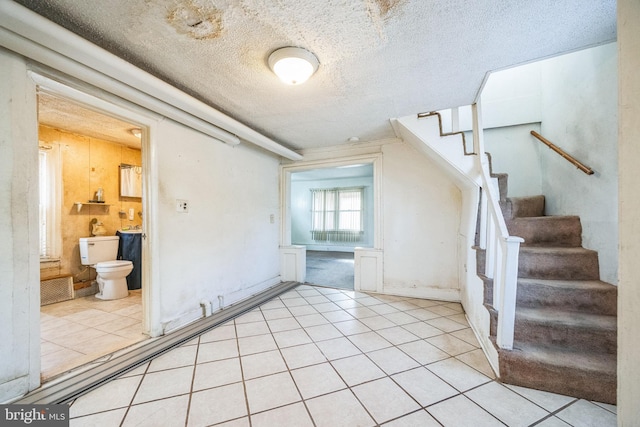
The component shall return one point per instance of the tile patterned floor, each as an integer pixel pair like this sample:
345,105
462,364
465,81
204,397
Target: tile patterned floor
329,357
78,331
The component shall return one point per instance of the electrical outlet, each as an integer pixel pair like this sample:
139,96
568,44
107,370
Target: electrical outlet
182,206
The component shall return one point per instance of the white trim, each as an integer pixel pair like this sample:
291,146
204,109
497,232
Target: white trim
452,295
35,37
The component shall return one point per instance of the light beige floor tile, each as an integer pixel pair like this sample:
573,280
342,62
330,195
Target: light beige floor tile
317,299
109,418
459,411
422,329
316,380
302,310
270,392
285,324
276,313
347,303
250,317
107,344
584,413
443,310
478,361
289,294
294,302
369,341
128,311
424,303
219,333
376,396
117,324
210,351
608,407
467,336
446,325
450,344
47,347
256,344
162,384
457,374
302,355
423,352
415,419
424,386
337,296
113,395
218,373
553,422
397,335
460,318
323,332
509,407
337,316
61,334
58,359
312,320
326,307
549,401
252,328
216,405
400,318
240,422
370,301
291,338
165,412
295,415
361,312
194,341
140,370
308,291
422,314
133,332
261,364
339,409
352,327
391,360
48,322
377,322
357,369
337,348
383,308
403,305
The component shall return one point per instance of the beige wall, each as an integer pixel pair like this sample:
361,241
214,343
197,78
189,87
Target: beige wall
89,163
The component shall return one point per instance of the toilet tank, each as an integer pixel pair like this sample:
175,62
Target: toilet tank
98,249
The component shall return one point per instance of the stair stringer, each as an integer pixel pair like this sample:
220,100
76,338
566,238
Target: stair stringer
446,150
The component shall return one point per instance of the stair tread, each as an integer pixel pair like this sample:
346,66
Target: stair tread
560,356
545,218
568,318
560,250
570,284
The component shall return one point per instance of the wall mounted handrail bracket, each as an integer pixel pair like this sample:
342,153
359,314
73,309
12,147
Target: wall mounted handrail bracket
564,154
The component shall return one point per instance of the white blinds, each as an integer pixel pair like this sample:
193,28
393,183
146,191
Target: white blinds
337,214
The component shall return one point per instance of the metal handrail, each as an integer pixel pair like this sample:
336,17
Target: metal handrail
564,154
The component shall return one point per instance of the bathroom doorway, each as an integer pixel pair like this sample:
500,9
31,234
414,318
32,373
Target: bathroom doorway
82,151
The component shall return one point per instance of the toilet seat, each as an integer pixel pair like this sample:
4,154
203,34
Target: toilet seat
113,265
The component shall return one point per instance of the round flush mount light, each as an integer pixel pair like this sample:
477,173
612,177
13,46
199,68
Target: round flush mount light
293,65
137,132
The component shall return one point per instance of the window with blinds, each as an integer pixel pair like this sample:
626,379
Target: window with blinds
337,214
49,202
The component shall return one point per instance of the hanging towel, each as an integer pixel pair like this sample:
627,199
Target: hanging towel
131,182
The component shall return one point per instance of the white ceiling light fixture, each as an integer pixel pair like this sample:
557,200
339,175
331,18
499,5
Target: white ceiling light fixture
293,65
137,132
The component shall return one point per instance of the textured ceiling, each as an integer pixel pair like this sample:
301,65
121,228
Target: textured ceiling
379,59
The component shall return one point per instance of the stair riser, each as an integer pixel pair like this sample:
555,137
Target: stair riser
523,207
594,301
554,266
580,339
577,382
547,231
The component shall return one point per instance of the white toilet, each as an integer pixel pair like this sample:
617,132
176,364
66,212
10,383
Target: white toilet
100,252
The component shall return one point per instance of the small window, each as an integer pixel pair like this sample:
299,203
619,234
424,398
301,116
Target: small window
50,195
337,214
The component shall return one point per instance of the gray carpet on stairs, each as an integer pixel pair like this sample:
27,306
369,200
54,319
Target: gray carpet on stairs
330,269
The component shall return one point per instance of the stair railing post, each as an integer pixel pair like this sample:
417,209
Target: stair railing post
508,292
484,220
478,131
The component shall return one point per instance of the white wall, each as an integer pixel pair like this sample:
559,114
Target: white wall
421,211
226,245
629,205
579,105
19,256
301,212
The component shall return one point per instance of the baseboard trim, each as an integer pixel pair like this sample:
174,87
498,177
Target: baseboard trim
452,295
73,386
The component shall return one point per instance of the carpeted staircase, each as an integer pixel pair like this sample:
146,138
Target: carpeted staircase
565,328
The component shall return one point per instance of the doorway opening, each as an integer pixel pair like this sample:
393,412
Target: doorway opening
82,153
332,213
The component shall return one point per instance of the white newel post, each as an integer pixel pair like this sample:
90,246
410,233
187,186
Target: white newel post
508,291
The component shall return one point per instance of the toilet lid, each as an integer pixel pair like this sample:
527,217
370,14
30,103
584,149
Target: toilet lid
113,264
